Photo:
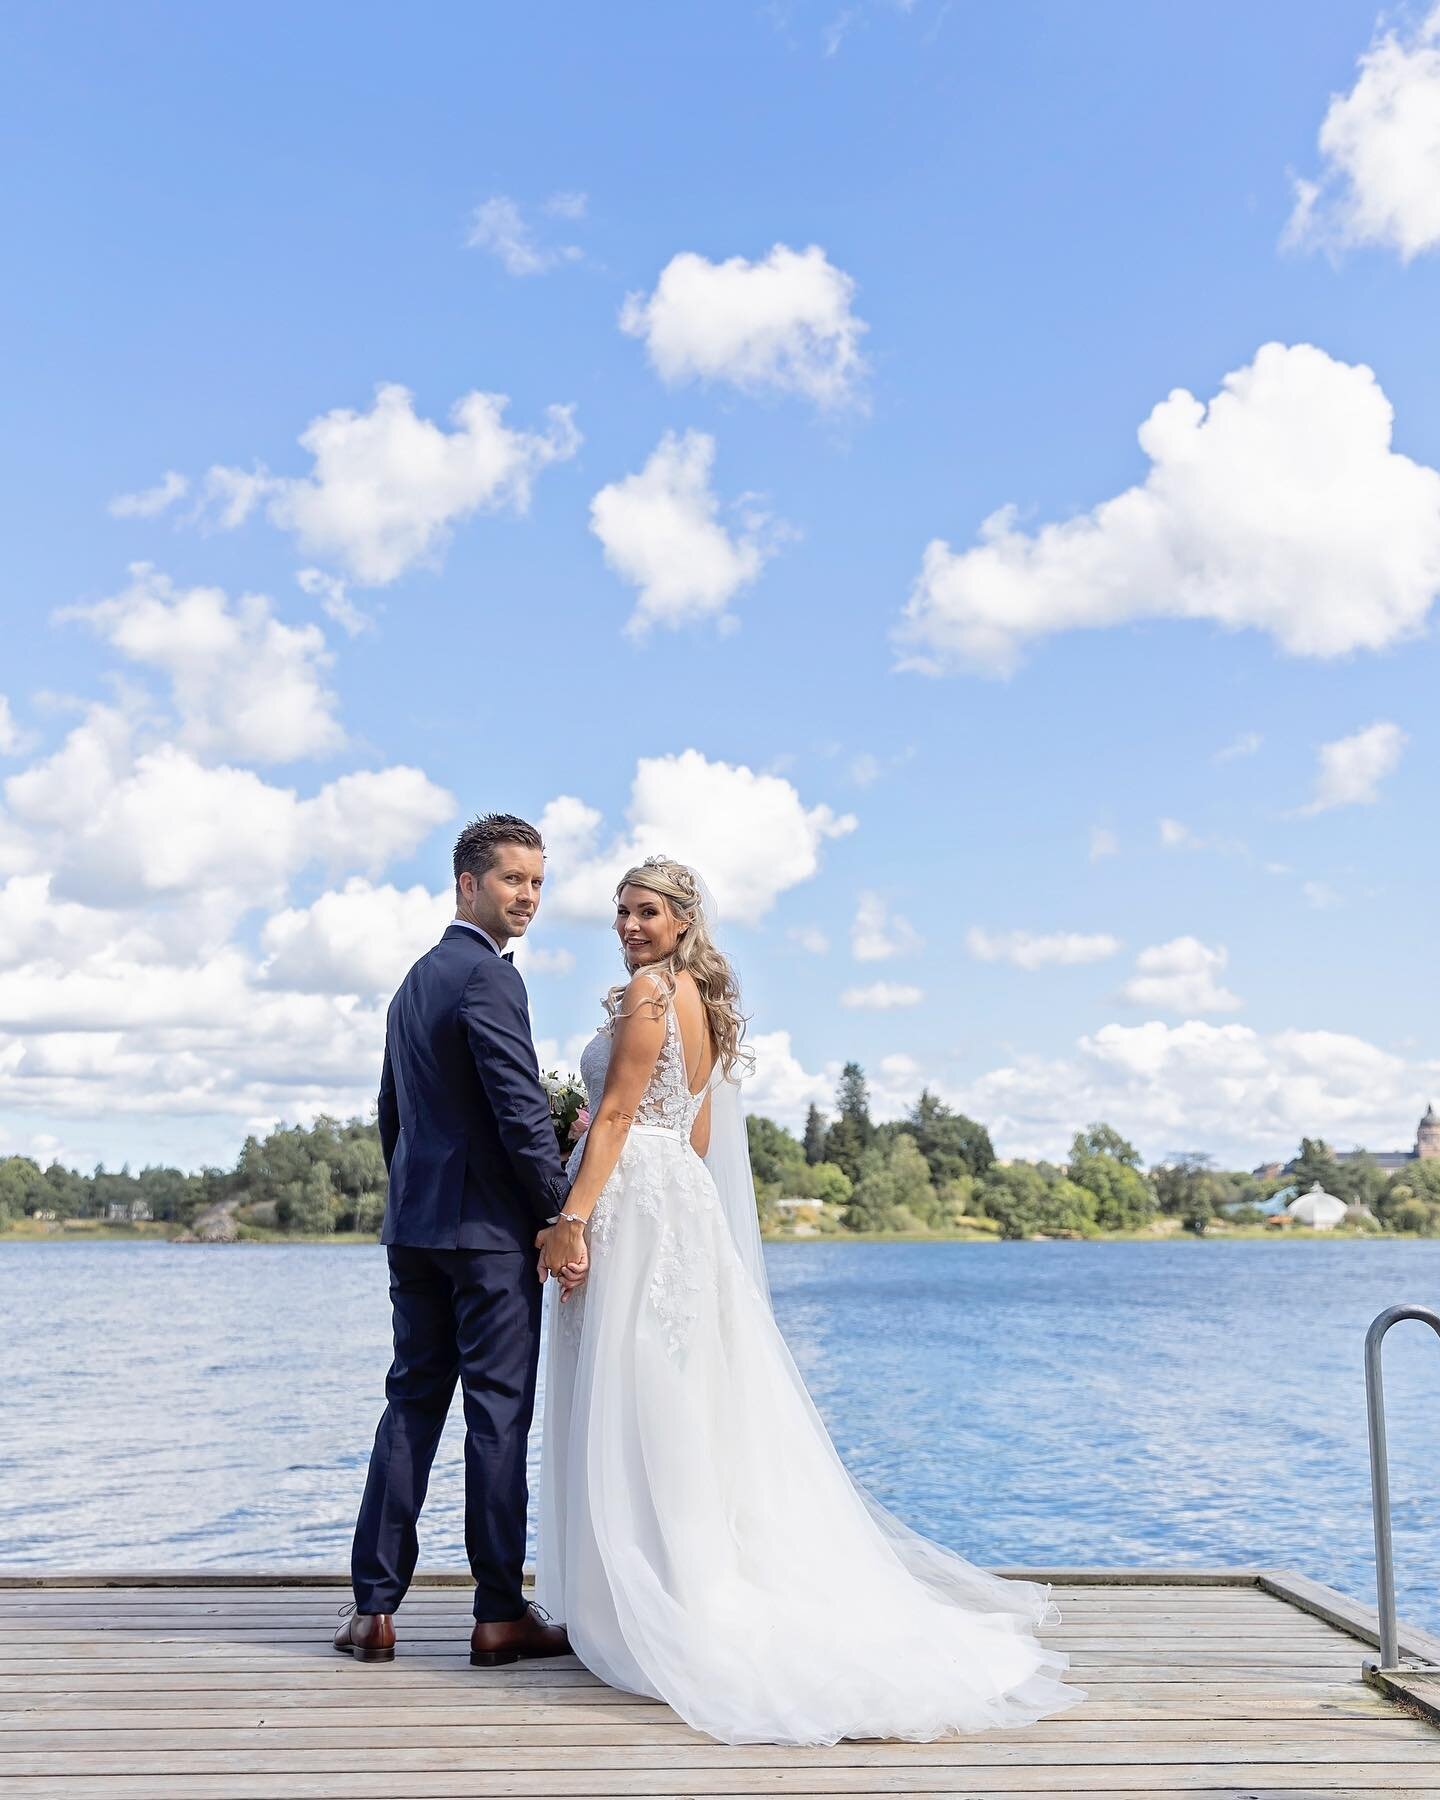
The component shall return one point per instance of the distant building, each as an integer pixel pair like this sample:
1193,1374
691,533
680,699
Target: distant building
1427,1146
1318,1210
1427,1149
131,1212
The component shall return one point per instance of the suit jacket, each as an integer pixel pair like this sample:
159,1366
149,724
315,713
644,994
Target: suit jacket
464,1123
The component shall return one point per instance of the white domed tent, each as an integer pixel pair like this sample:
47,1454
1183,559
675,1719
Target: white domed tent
1317,1209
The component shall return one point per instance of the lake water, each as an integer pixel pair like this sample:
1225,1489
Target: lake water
180,1407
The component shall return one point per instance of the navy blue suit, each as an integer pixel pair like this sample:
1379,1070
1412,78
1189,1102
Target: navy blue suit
474,1173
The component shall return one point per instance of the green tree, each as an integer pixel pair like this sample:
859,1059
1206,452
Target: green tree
853,1131
814,1139
1025,1198
117,1191
1316,1162
22,1188
359,1173
366,1212
1197,1215
1411,1199
67,1193
1104,1140
894,1192
312,1176
777,1161
171,1195
1188,1189
311,1204
951,1144
825,1181
1104,1164
959,1200
1359,1181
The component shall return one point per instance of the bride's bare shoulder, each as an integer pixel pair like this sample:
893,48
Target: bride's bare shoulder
647,993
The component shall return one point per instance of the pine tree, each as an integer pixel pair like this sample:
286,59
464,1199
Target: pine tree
853,1132
951,1144
814,1135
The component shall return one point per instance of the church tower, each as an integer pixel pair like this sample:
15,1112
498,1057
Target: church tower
1427,1138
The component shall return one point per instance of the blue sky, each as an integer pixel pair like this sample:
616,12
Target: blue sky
1027,226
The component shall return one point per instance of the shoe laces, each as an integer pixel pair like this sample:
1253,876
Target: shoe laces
345,1611
540,1613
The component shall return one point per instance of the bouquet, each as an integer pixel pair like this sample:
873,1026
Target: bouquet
568,1112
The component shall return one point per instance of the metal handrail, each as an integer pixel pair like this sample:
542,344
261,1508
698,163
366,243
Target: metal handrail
1380,1472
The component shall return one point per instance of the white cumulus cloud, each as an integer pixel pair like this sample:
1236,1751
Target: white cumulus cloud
163,988
1244,1096
152,822
228,496
1182,977
387,487
149,503
1040,949
1380,147
1245,745
335,601
1352,768
1103,843
882,996
1279,507
877,933
358,939
661,531
242,683
784,322
499,226
10,738
750,836
781,1088
538,959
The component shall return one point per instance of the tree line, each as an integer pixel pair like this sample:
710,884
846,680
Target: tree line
933,1170
325,1177
936,1170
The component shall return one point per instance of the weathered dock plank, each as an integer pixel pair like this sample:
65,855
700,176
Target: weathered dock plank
217,1689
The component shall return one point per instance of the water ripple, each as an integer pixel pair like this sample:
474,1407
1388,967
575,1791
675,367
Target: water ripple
1028,1403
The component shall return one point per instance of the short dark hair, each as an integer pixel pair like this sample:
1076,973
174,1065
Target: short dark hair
477,845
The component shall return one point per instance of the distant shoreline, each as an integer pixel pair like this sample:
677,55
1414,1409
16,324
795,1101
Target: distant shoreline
112,1234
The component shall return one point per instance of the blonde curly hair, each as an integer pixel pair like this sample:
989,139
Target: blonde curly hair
696,952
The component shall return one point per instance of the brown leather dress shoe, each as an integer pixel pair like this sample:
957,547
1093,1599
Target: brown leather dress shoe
368,1637
496,1641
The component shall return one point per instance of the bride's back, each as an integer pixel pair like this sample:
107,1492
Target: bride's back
699,1047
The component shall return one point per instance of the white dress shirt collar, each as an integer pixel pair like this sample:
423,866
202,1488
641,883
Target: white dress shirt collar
479,931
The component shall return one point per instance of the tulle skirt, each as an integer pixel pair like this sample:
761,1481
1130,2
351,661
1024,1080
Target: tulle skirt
699,1534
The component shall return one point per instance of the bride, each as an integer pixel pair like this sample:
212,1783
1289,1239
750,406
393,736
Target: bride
698,1532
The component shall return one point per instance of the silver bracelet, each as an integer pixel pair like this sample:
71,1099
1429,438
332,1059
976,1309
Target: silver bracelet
574,1218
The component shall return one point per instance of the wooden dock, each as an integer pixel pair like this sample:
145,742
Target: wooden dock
1216,1683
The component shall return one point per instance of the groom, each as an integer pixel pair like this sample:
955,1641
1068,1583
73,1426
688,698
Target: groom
475,1171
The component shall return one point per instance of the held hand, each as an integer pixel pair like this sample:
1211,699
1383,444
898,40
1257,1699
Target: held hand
564,1243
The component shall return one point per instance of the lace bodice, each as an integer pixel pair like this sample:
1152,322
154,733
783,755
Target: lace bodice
667,1102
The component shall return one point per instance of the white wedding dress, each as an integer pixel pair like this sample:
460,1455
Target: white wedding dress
699,1535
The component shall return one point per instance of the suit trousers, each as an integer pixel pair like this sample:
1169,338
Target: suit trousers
471,1316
